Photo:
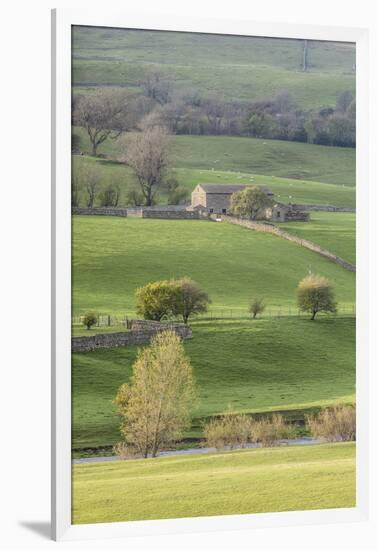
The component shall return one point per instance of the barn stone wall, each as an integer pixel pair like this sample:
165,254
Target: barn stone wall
140,333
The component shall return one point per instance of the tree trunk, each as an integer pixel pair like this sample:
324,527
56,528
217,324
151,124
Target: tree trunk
305,56
313,316
94,149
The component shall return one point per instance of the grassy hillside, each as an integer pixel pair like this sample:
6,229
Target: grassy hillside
112,257
228,66
285,159
333,230
300,161
238,482
254,366
286,190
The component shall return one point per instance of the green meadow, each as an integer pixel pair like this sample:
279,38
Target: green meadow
335,231
286,364
112,257
238,482
252,156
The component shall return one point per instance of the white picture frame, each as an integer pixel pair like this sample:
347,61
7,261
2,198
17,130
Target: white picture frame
62,20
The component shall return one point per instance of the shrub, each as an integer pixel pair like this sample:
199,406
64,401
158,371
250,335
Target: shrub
337,423
270,431
89,319
257,306
227,431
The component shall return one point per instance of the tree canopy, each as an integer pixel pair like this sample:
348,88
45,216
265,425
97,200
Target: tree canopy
316,294
250,203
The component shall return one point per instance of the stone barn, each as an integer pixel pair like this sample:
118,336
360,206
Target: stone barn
216,198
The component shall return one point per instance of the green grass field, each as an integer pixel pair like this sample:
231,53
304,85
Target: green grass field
228,66
286,364
335,231
238,482
112,257
251,156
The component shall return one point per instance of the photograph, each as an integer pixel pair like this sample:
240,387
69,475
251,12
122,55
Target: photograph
213,215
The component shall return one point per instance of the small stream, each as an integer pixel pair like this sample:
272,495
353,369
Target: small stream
200,450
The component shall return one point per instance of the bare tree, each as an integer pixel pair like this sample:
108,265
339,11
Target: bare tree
148,156
157,86
103,114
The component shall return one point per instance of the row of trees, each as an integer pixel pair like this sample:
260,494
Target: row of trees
105,114
184,298
88,188
147,154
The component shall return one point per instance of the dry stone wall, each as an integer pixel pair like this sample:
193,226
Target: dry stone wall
270,228
171,214
140,333
100,211
322,208
167,212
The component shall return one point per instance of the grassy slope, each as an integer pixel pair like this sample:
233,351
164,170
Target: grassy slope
286,190
232,67
112,257
263,365
286,159
333,230
238,482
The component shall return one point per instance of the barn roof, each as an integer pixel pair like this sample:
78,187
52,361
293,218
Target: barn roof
222,189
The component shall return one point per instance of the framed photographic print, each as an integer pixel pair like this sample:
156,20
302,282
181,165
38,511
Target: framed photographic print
209,308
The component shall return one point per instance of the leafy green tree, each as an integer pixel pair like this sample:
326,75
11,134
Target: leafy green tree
89,319
155,406
315,294
250,203
154,300
188,298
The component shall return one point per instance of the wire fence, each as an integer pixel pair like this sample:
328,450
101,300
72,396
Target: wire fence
274,312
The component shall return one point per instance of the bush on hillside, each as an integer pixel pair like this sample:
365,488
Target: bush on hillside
337,423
